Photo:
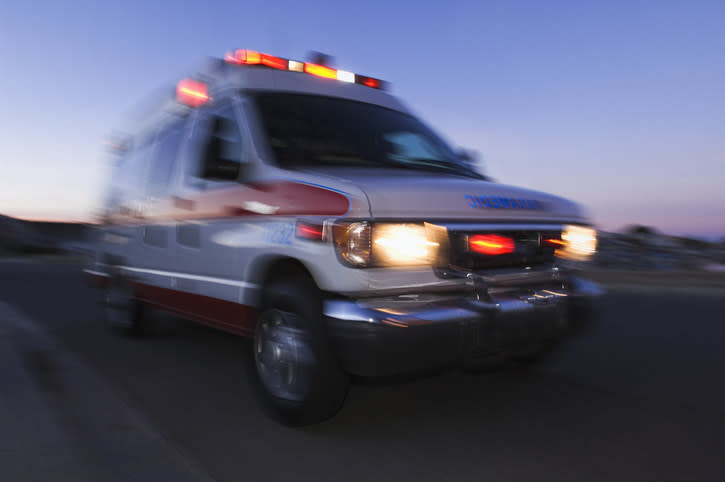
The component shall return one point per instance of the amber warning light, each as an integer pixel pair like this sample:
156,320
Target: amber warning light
192,92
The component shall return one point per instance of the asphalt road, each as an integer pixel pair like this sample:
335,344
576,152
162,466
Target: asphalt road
642,397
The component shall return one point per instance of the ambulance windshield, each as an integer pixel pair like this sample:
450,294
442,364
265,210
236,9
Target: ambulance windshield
314,131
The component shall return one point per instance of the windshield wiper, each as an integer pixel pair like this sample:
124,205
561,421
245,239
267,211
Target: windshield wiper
437,165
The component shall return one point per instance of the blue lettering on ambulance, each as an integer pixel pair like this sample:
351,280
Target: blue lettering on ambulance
497,202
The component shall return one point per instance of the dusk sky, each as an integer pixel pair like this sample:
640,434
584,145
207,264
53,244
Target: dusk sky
617,105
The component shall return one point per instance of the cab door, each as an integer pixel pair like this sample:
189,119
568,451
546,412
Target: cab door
205,212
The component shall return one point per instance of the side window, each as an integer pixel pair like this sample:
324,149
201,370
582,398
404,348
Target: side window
215,150
410,145
129,176
162,162
224,130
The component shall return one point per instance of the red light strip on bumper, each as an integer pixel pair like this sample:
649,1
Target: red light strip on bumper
491,244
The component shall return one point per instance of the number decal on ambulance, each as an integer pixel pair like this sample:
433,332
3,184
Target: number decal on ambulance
279,233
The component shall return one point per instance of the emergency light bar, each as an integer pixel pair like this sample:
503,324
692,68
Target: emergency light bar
250,57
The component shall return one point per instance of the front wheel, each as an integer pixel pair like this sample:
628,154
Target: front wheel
297,376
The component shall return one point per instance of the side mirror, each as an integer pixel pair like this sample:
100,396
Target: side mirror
472,159
469,157
215,167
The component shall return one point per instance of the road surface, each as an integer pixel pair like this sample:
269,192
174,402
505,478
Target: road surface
640,398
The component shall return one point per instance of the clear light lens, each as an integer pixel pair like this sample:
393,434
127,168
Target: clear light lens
403,245
353,243
345,76
296,66
580,243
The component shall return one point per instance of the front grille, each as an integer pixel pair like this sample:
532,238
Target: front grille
530,249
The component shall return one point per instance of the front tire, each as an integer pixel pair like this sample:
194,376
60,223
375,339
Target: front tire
297,377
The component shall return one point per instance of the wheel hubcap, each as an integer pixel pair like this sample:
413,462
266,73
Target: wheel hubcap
282,355
118,306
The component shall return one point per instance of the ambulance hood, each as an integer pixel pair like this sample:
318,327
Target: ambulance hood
406,194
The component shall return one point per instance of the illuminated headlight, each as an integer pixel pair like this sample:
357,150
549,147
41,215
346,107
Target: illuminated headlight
363,244
580,243
403,245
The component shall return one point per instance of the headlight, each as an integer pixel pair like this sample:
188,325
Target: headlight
353,242
579,243
363,244
403,245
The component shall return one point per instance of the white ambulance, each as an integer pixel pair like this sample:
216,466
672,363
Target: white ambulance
305,207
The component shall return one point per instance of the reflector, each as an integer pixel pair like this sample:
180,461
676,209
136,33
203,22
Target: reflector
309,231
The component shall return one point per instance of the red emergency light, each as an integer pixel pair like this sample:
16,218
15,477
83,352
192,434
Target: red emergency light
251,57
491,244
192,92
368,81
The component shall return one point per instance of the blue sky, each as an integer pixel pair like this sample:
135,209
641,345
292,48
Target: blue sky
618,105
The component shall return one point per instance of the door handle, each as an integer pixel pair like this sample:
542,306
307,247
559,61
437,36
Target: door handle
182,203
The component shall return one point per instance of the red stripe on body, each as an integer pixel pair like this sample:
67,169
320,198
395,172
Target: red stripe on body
281,198
224,315
95,279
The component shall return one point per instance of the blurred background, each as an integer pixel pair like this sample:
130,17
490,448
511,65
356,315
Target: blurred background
619,106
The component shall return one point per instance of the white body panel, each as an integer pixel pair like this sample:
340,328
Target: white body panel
221,257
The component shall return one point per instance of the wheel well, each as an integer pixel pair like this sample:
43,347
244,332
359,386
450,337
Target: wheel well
281,268
275,269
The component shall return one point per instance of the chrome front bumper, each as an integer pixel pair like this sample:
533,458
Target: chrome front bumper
392,335
426,310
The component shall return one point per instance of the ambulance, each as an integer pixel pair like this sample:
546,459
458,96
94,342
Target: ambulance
306,208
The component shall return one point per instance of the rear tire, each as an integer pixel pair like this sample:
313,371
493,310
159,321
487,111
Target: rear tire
122,312
296,376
